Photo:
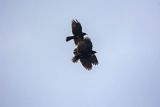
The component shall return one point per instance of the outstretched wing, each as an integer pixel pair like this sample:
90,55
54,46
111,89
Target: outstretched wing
75,59
76,56
76,28
93,59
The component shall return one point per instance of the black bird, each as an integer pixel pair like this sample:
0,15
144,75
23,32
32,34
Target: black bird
85,54
77,32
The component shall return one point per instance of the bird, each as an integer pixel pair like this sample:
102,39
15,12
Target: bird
85,54
77,32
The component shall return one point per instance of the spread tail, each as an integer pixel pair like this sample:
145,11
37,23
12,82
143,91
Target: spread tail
86,63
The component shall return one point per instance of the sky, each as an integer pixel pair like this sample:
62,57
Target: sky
35,61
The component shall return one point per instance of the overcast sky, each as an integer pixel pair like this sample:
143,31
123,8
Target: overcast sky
35,61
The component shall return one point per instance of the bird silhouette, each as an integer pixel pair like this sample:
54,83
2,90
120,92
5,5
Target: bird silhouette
85,54
77,32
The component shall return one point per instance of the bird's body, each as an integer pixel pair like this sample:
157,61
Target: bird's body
85,54
77,32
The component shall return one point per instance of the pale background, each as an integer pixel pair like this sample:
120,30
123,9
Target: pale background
35,61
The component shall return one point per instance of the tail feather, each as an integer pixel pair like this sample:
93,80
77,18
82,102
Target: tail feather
86,63
69,38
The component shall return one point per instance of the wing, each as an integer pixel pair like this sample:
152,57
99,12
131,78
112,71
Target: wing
86,63
93,59
75,59
76,28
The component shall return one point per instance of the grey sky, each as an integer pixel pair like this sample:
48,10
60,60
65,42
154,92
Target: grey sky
35,61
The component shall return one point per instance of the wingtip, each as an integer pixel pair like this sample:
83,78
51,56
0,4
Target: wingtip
76,20
73,21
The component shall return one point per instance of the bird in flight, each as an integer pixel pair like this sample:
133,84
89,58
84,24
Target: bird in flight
85,54
77,32
83,51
